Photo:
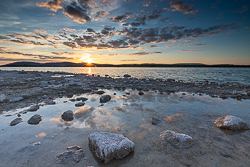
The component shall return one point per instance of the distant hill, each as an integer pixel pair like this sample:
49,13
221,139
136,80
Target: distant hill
70,64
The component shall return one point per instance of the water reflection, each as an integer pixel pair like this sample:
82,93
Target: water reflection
89,70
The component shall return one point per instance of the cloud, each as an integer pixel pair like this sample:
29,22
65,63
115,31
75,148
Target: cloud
129,60
242,10
53,5
69,29
136,54
185,9
101,14
190,50
148,4
79,13
247,27
121,18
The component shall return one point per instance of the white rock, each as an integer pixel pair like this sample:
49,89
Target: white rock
107,146
178,140
231,122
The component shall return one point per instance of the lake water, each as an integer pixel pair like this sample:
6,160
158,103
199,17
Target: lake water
187,74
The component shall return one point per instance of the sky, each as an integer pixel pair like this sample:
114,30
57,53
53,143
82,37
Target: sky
125,31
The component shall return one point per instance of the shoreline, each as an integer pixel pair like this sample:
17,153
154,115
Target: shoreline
33,87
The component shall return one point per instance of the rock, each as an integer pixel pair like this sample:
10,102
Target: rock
105,98
44,96
99,92
25,95
51,103
231,123
127,75
73,153
35,119
107,146
73,83
79,104
81,98
86,89
68,115
15,99
16,121
140,93
33,108
73,100
2,98
155,120
177,140
235,92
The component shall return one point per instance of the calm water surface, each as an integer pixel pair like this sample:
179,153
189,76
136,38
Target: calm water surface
221,75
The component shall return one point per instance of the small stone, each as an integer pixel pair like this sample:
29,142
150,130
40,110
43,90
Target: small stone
73,154
51,103
2,98
140,93
99,92
79,104
68,115
44,96
155,120
107,146
16,121
105,98
231,123
33,108
126,75
81,98
177,140
86,89
15,99
35,119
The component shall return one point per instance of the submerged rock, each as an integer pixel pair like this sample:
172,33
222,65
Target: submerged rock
73,154
155,120
16,121
107,146
105,98
231,123
15,99
68,115
79,104
177,140
35,119
33,108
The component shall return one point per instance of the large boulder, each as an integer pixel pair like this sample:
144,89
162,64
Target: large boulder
231,123
177,140
68,115
35,119
107,146
73,154
33,108
105,98
16,121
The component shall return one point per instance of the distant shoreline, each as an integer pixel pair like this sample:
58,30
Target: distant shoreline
69,64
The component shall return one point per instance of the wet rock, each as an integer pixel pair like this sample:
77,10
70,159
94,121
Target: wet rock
79,104
25,95
35,119
231,123
140,93
100,92
16,121
177,140
105,98
68,115
155,120
51,103
2,98
15,99
73,100
107,146
127,75
74,154
33,108
81,98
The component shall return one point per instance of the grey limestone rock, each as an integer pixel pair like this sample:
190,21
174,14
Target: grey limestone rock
35,119
105,98
107,146
72,155
231,123
33,108
16,121
68,115
177,140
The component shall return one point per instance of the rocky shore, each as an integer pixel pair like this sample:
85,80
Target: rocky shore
24,88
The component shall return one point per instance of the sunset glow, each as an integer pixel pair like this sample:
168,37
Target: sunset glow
125,31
